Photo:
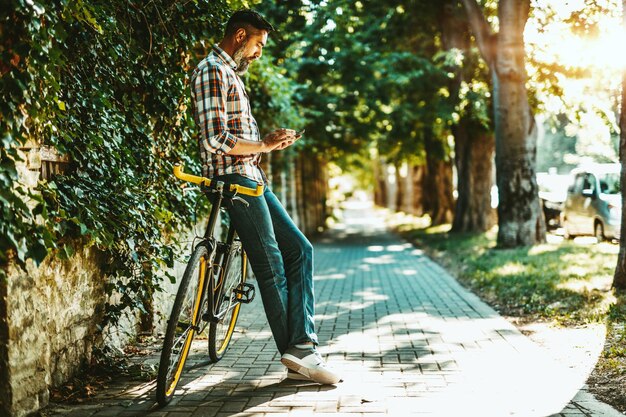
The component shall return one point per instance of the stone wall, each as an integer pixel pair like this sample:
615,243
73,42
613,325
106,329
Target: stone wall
49,314
126,329
51,317
5,387
48,319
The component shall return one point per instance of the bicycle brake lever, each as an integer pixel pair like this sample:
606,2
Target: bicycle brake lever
245,203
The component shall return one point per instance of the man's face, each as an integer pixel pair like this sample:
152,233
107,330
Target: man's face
251,49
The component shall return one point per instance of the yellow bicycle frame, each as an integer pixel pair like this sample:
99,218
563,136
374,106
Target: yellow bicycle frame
238,189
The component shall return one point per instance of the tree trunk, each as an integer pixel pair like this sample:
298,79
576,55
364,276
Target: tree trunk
267,165
312,193
400,187
308,194
291,183
301,184
474,165
619,279
438,198
440,180
417,183
146,320
380,187
275,174
407,186
300,198
321,180
520,220
474,146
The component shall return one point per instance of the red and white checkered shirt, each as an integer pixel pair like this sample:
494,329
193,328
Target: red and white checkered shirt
222,113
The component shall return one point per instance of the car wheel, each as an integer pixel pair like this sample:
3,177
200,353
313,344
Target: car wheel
598,231
566,231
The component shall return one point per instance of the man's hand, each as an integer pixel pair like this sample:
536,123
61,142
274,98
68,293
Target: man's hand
279,139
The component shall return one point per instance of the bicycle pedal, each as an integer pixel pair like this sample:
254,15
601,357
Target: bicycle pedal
245,293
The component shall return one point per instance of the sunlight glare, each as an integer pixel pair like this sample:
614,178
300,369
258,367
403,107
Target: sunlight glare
601,52
557,44
546,248
599,283
511,269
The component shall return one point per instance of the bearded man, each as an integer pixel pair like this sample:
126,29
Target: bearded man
231,148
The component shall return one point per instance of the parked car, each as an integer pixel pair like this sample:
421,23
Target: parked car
593,205
552,194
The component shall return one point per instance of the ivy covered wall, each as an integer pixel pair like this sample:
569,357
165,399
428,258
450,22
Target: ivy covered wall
104,85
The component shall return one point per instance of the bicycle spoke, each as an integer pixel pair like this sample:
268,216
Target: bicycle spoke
183,324
177,349
221,332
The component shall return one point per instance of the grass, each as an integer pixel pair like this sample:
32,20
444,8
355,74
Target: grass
566,281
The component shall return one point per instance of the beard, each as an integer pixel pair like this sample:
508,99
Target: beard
242,61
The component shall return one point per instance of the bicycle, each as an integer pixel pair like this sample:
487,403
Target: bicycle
211,290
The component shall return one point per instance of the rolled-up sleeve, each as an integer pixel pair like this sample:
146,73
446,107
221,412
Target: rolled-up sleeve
210,96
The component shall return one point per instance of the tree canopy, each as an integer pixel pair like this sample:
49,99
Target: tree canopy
106,85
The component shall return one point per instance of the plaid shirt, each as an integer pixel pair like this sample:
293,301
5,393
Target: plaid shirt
222,112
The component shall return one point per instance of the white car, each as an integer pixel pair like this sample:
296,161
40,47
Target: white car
593,205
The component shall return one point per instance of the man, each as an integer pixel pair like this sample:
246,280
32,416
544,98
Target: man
231,148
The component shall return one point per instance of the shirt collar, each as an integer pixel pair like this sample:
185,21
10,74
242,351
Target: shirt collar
224,56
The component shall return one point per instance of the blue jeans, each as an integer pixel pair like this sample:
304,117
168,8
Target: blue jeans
282,260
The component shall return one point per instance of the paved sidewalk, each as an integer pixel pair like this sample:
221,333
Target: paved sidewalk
407,338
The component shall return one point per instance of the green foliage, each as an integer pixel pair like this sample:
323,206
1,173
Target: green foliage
566,282
373,73
273,96
552,149
25,47
579,98
106,84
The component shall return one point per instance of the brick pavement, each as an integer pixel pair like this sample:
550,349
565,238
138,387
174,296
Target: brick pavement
407,338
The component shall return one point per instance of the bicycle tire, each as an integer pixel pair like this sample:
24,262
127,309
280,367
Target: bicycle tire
220,333
183,322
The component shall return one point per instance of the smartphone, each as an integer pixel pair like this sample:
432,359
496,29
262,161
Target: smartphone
300,133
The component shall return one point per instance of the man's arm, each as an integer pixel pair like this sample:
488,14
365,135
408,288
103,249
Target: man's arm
247,147
210,95
278,139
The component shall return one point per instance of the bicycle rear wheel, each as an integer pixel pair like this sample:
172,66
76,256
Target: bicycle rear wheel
221,332
184,322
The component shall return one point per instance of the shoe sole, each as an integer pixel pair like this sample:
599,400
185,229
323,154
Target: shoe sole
320,377
294,376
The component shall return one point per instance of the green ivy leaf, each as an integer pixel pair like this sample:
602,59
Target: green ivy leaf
91,85
38,252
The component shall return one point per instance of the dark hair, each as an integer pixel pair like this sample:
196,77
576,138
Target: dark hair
245,17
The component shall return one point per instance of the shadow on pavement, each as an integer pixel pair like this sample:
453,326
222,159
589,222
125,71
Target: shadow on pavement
406,337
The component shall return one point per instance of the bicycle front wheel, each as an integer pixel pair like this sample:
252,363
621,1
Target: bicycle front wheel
221,332
185,321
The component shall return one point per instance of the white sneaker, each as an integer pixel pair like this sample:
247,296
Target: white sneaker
309,363
296,376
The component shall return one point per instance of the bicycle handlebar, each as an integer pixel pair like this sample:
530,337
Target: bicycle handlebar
239,189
